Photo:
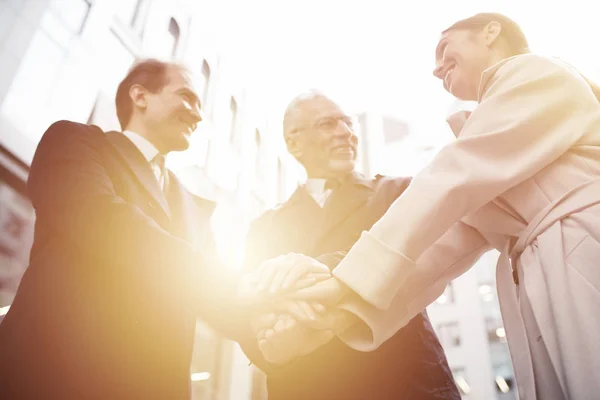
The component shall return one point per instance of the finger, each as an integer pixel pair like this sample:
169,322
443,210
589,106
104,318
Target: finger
320,291
298,271
318,307
304,282
295,310
280,325
308,310
263,321
310,279
311,265
290,323
269,334
278,279
266,276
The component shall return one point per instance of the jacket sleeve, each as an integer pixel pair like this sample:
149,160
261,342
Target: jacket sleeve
453,254
533,111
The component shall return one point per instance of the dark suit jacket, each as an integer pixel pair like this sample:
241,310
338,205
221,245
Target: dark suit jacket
411,365
107,307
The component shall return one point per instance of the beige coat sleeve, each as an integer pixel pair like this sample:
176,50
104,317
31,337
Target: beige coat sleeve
455,252
532,110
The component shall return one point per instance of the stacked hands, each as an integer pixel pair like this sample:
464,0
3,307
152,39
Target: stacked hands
296,298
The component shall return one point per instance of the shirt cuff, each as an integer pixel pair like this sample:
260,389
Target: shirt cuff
374,270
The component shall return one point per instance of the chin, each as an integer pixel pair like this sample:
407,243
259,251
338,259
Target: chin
463,92
342,166
183,143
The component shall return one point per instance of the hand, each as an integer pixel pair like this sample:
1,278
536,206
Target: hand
288,339
328,292
290,272
311,314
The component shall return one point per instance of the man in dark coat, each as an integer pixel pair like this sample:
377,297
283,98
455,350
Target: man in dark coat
323,219
120,268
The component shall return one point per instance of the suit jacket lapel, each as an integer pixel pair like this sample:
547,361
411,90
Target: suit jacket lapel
190,214
352,194
140,168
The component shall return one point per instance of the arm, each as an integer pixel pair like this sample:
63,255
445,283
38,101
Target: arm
73,193
532,112
452,255
256,251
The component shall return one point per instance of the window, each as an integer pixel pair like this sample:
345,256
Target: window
174,33
232,119
486,291
257,146
128,11
495,330
460,377
202,83
449,334
72,13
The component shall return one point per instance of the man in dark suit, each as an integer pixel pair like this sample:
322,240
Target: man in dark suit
120,266
323,219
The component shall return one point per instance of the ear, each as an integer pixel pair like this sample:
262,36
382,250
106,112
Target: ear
294,146
139,96
492,32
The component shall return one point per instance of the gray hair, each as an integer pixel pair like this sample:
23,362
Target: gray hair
295,106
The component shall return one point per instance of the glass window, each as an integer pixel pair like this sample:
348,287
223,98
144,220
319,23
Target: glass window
73,13
449,334
460,377
16,237
232,119
202,83
174,33
127,11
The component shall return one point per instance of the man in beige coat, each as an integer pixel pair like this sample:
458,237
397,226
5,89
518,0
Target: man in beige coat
523,177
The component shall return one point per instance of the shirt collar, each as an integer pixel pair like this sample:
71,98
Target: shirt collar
148,150
315,186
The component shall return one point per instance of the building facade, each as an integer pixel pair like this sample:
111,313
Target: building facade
63,59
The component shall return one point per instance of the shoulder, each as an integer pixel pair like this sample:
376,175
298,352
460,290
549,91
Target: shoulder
397,182
69,131
67,139
515,70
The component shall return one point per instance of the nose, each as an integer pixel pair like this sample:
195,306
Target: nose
438,71
196,115
343,130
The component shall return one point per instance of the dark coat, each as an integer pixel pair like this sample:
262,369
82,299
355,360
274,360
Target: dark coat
118,275
411,365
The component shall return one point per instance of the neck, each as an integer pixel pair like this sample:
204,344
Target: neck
326,175
140,129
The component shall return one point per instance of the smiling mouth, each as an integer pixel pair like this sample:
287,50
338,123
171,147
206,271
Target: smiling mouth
343,151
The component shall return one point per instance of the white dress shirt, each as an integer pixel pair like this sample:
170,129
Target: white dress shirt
151,154
316,189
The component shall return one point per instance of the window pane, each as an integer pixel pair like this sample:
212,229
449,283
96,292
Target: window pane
127,10
72,13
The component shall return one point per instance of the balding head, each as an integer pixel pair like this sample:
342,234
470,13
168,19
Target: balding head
301,108
320,135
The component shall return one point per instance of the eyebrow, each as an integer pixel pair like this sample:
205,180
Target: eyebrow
193,95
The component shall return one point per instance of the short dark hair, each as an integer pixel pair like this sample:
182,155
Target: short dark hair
149,73
511,31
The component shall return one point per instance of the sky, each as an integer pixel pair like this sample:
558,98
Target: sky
378,55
